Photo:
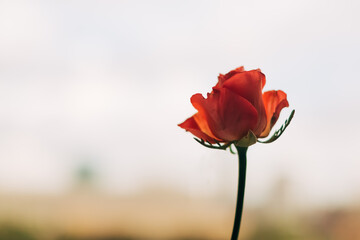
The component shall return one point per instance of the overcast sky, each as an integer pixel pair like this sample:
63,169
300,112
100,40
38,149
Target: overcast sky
105,83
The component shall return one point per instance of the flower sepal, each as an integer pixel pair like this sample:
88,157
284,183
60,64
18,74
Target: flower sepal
278,133
246,141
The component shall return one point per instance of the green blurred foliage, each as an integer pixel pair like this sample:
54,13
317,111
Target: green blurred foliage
94,238
11,232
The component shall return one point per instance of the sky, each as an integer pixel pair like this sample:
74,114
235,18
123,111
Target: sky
105,83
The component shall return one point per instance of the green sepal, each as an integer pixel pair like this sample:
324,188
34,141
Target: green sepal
246,141
278,133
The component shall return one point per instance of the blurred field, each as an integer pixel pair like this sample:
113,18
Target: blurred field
90,215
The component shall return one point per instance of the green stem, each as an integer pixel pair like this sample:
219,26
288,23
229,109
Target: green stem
241,190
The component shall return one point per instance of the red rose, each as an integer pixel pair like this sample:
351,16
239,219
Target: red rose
234,107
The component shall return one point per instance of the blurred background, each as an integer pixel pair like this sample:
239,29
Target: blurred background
91,93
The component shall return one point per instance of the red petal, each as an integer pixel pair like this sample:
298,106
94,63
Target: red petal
249,84
191,125
233,72
274,102
228,115
222,78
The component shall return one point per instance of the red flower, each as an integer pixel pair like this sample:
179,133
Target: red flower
234,107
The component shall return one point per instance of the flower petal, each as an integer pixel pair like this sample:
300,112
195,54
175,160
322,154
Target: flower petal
249,84
222,78
191,125
228,115
274,102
